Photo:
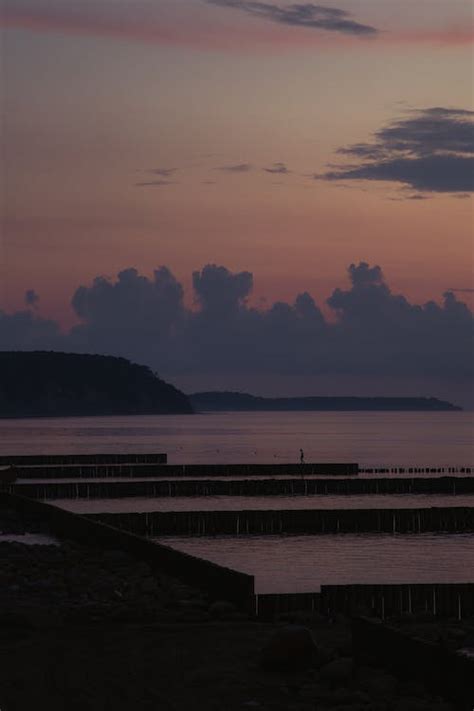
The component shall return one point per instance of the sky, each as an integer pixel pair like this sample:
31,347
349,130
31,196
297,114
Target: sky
229,137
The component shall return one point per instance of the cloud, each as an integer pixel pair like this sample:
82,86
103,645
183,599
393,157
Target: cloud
198,24
162,172
374,333
31,297
238,168
155,183
463,291
220,291
24,330
430,150
308,15
278,168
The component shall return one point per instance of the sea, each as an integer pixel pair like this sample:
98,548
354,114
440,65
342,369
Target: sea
285,563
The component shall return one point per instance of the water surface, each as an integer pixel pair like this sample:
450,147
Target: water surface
290,564
370,438
258,503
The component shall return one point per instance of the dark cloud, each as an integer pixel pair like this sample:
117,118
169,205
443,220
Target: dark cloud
278,168
162,172
218,290
416,196
238,168
463,291
373,333
317,17
24,330
155,183
31,297
430,150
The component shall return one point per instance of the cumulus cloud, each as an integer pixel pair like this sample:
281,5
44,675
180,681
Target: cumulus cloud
218,290
373,333
318,17
25,331
278,168
430,150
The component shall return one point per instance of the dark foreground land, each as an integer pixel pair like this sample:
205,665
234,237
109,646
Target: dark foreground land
49,384
82,628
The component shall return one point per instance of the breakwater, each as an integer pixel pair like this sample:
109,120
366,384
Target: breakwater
42,460
316,521
245,487
219,582
145,470
416,470
446,600
383,601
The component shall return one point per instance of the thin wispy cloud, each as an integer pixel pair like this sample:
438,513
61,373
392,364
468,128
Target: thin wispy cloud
198,24
317,17
430,150
237,168
278,168
162,172
155,183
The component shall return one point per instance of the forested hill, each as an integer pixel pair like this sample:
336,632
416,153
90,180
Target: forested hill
49,384
220,401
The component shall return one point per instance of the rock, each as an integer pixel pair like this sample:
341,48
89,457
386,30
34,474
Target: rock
339,672
148,585
14,625
222,610
377,683
290,648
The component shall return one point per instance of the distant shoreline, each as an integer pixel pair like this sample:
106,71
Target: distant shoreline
243,402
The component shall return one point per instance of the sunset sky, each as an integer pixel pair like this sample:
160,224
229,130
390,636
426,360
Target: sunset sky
286,140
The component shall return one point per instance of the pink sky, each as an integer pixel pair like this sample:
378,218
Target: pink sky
99,94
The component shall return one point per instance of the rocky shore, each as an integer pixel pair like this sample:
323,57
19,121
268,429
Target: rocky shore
86,629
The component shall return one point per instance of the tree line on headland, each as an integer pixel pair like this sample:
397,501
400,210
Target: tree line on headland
50,384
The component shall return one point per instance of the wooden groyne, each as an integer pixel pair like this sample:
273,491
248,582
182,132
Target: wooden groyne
446,600
219,582
45,460
198,471
245,487
417,470
270,522
449,600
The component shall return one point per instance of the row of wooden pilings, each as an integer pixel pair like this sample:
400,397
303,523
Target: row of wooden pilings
309,521
45,460
245,487
417,470
447,600
145,469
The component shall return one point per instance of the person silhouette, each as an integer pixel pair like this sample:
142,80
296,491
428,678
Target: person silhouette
301,456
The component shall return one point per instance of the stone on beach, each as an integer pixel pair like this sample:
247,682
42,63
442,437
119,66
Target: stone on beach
289,648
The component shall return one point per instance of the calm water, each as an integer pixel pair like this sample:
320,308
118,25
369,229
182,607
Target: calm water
370,438
289,564
256,503
280,563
